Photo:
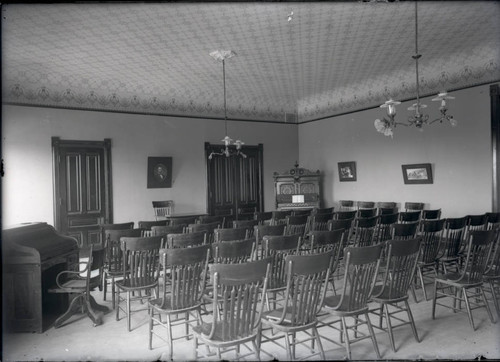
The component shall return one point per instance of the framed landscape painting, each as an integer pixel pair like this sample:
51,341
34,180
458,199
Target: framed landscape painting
417,174
347,171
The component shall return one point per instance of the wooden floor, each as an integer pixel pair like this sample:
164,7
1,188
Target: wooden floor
449,336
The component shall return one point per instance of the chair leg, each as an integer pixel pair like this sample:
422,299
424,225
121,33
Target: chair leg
389,327
96,317
94,305
128,311
494,296
150,332
118,304
469,312
483,295
420,274
370,328
73,308
320,346
288,349
104,287
346,337
434,300
170,341
256,350
412,321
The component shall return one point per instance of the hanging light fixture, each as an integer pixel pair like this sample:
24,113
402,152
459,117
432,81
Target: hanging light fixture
222,55
418,119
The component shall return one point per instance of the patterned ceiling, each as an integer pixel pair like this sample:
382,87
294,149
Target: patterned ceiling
331,58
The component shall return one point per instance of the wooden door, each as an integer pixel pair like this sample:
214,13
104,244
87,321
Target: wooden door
82,188
234,183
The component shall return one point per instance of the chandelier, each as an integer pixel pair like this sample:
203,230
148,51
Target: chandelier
227,151
418,119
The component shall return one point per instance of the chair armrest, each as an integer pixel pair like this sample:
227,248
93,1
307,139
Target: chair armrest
71,272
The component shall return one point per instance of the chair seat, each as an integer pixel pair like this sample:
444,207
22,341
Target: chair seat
388,296
204,330
274,316
332,301
136,283
452,279
165,305
76,285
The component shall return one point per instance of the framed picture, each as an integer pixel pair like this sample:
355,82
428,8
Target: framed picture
417,174
347,171
159,172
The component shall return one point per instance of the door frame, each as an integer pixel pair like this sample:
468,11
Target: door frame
57,145
260,151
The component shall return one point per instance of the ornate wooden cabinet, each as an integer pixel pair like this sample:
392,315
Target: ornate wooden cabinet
297,188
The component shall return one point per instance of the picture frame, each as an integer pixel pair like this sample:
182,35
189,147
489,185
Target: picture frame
159,172
347,171
420,173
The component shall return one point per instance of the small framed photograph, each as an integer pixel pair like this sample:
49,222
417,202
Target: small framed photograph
159,172
417,174
347,171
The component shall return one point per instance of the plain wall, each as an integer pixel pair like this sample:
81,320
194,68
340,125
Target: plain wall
461,156
27,187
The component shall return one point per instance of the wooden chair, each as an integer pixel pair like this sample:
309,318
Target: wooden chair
239,289
491,277
162,209
306,283
296,225
319,222
182,288
140,272
182,220
301,212
324,210
328,240
262,230
469,279
147,225
279,217
365,205
165,230
211,219
186,240
365,229
345,224
414,206
367,213
113,266
409,216
402,256
278,248
387,210
431,214
247,224
230,234
493,220
207,228
346,205
233,252
384,227
263,217
387,205
120,226
361,269
450,245
341,215
431,235
81,283
404,231
473,222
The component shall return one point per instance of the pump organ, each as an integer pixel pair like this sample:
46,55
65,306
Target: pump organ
297,188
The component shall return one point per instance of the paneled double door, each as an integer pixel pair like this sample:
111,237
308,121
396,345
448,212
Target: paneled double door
234,183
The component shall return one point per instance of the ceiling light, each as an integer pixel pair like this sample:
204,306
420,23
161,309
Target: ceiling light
227,151
418,119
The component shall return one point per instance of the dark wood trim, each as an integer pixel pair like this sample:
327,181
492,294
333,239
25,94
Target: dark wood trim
261,174
495,144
